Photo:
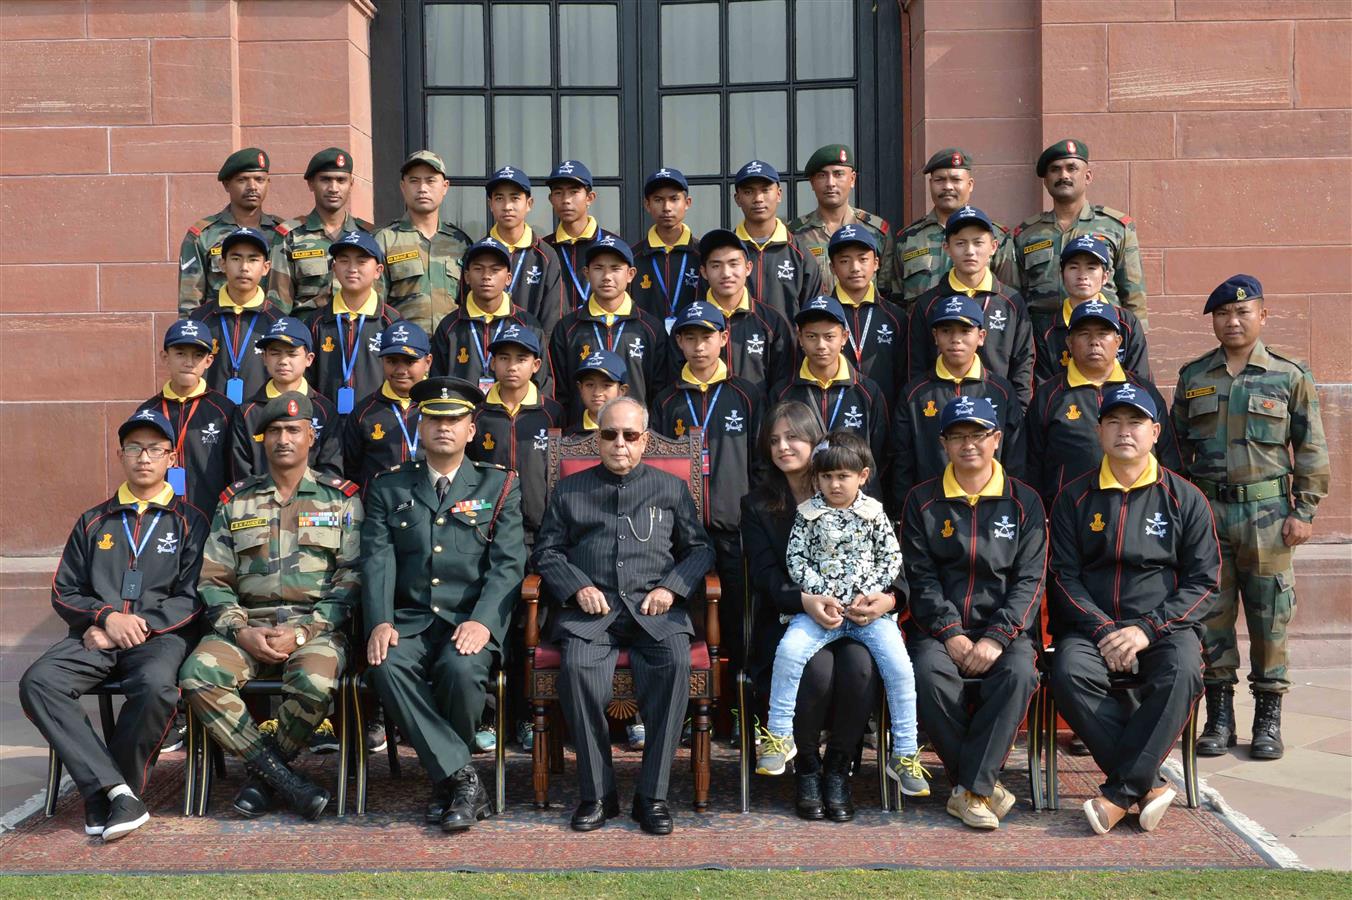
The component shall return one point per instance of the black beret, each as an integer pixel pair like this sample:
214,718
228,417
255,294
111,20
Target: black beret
330,159
250,159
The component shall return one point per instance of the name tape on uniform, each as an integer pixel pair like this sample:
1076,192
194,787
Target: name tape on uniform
400,257
241,524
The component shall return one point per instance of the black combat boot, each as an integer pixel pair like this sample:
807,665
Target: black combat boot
836,788
1219,734
302,795
1267,726
809,803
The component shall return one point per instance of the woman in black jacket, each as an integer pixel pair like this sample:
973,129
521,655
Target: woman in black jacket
840,684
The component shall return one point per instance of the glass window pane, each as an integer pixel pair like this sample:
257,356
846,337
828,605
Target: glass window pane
691,135
467,206
523,135
689,39
606,209
541,216
757,45
706,209
824,23
589,130
455,127
824,117
588,51
521,44
758,128
454,42
806,200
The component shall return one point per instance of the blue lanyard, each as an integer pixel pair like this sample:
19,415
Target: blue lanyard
131,541
618,335
582,292
517,271
411,445
350,364
237,358
713,405
479,344
835,412
680,282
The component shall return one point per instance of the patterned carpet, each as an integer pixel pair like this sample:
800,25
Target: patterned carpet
392,837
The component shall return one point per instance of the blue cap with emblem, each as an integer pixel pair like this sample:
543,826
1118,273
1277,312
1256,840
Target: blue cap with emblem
510,175
821,307
362,240
1235,289
700,315
756,169
977,410
967,215
665,177
607,363
848,235
289,331
958,308
514,334
608,243
146,418
1096,309
1087,245
246,235
570,170
1128,395
487,245
403,338
188,332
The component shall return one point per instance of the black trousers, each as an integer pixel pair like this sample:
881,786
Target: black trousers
1128,735
732,605
435,695
839,690
50,693
662,685
972,728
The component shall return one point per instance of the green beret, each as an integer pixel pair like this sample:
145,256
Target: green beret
423,157
830,155
330,159
1067,149
291,406
948,158
250,159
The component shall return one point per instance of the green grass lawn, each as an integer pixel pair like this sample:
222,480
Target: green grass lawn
741,884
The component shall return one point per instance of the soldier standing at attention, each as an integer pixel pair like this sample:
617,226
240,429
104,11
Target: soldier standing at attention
422,253
301,281
1033,266
1251,439
200,273
831,173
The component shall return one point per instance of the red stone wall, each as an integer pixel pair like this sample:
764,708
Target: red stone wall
114,118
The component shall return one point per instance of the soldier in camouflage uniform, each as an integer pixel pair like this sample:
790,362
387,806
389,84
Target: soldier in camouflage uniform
919,261
1251,439
301,281
832,174
200,271
278,582
1033,263
422,253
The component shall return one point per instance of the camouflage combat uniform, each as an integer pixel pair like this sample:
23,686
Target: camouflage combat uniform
919,262
814,236
269,563
200,268
1254,444
422,277
300,282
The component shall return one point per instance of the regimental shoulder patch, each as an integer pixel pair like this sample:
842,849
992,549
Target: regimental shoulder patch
1114,214
363,224
489,465
347,487
284,228
199,226
1199,392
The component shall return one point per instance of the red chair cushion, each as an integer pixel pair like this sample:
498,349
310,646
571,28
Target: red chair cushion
548,656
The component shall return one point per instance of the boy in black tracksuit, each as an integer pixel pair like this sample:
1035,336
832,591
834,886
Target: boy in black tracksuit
974,541
1060,432
571,196
200,417
728,410
877,332
1136,567
917,453
610,320
382,430
1084,270
461,344
970,239
784,275
126,587
667,259
601,377
536,281
760,340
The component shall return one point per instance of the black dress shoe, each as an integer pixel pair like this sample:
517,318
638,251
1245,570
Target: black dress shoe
440,801
469,802
809,804
836,795
254,798
652,816
592,814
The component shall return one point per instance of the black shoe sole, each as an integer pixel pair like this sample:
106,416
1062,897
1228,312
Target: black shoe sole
840,816
1266,754
1215,749
115,832
811,815
246,813
315,811
480,813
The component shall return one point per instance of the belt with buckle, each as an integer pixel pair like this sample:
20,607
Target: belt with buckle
1243,493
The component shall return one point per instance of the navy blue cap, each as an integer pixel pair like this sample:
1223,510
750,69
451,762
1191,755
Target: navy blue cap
514,334
508,173
958,308
403,338
977,410
608,244
756,169
967,215
362,240
251,235
719,237
147,418
1129,395
288,330
607,363
665,176
1095,308
851,234
487,245
1235,289
188,332
700,315
571,170
819,306
1090,245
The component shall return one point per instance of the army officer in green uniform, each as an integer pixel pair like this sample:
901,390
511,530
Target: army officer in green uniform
443,554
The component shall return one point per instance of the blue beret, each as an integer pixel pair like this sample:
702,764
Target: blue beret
402,338
1128,395
959,308
978,410
1235,289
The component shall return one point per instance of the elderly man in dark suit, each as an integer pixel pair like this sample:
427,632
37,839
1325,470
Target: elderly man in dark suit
622,548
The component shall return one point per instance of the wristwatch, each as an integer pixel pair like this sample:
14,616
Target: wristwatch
300,636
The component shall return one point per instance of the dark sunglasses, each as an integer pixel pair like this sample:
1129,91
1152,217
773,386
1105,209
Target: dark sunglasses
610,434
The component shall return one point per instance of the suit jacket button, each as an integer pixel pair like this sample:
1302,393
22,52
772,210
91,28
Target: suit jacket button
441,521
403,524
436,549
436,609
620,564
436,581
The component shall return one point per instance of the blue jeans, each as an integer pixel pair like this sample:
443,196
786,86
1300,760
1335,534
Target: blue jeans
801,641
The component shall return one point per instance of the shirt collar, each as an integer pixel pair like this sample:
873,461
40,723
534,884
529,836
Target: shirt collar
743,305
654,241
625,309
870,296
986,285
307,484
433,474
198,391
366,308
588,423
561,235
1108,481
226,303
973,374
720,374
842,374
388,393
163,497
1075,378
779,236
474,311
995,487
527,238
270,389
532,398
